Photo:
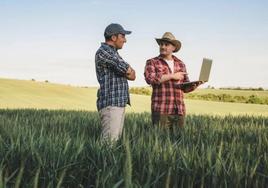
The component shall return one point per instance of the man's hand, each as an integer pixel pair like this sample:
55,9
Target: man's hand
131,74
192,87
188,87
198,84
175,76
178,75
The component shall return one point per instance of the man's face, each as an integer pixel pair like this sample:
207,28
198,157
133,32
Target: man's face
166,48
119,40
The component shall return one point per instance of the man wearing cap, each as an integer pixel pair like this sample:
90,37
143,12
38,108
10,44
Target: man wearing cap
164,73
112,74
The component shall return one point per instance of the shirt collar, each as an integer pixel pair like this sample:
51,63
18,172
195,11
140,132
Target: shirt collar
108,46
174,58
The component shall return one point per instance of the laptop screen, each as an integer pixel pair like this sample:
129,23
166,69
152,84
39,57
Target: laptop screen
205,70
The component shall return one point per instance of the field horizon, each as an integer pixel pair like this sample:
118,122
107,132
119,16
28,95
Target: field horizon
24,94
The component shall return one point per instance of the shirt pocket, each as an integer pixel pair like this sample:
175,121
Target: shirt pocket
162,69
179,69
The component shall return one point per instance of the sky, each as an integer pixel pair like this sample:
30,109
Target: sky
57,40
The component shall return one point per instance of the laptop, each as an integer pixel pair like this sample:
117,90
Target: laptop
203,76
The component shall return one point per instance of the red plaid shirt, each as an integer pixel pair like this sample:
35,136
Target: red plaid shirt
166,99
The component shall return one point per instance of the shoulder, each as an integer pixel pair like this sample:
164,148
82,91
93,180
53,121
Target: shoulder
104,49
178,61
99,51
153,60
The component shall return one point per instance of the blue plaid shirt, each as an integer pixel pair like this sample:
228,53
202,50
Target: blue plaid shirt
111,74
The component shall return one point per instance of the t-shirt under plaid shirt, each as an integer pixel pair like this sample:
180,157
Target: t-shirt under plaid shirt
166,98
111,74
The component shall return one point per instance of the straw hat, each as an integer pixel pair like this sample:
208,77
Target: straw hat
169,37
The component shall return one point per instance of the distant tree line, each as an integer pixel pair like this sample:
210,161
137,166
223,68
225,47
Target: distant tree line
252,99
141,90
241,88
35,80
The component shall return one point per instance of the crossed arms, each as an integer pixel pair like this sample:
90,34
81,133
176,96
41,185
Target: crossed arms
116,63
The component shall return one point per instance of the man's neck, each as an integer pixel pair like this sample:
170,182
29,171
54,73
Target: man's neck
110,43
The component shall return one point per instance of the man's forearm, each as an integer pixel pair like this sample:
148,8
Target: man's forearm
107,59
165,78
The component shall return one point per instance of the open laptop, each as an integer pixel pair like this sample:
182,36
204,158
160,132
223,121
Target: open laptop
204,74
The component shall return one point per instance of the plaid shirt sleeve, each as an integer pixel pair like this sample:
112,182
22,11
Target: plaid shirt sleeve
113,61
150,73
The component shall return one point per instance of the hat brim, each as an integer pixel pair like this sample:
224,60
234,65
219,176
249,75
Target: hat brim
127,32
121,32
175,43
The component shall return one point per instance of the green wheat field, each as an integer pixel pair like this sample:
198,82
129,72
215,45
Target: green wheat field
50,137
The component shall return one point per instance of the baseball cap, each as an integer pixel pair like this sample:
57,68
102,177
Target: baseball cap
114,29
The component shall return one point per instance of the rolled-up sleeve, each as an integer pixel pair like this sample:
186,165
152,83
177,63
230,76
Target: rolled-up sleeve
112,61
150,73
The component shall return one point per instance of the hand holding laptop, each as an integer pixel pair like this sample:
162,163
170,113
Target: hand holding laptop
193,85
203,77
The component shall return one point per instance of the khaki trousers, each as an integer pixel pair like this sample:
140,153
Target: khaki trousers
112,121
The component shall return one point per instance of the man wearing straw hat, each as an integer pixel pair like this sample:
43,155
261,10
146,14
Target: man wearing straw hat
112,74
164,73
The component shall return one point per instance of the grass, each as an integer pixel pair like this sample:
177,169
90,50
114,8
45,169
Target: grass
28,94
222,144
41,148
40,95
